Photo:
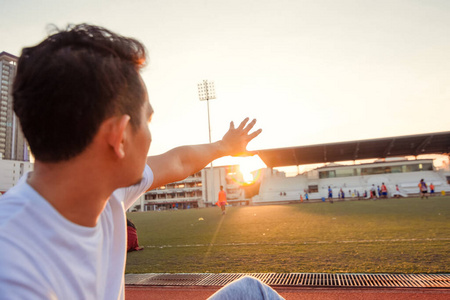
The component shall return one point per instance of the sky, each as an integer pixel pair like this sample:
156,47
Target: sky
310,72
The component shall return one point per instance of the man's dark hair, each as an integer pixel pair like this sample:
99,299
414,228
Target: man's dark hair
67,85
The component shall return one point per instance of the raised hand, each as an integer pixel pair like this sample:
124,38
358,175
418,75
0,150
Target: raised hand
235,141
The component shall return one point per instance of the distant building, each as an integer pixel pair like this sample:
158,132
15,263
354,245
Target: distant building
197,190
13,145
11,171
358,178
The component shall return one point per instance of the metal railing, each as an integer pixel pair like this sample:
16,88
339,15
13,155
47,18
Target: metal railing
295,279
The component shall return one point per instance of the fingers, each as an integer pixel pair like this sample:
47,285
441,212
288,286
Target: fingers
236,139
250,126
241,126
245,128
254,134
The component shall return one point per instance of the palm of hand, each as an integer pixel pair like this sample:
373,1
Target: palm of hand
235,141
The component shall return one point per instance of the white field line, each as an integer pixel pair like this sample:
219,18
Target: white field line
305,243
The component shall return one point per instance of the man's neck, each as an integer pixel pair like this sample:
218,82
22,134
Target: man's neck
78,191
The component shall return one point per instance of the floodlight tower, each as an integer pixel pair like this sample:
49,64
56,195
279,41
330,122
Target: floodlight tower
207,92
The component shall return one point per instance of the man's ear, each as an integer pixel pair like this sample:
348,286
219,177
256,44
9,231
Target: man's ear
119,134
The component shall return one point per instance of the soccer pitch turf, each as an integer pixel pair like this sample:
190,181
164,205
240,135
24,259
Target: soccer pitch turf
409,235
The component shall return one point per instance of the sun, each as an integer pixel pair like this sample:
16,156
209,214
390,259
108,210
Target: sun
247,166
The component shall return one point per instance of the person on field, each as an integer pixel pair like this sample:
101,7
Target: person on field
330,195
222,202
84,110
423,189
384,190
397,191
431,189
373,192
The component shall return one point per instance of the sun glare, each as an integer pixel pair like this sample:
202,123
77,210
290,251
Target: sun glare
247,166
248,176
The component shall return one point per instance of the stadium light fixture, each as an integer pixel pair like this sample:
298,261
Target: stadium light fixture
206,91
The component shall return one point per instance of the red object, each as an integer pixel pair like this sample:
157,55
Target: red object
132,241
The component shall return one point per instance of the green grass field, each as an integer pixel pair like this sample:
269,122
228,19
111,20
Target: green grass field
393,236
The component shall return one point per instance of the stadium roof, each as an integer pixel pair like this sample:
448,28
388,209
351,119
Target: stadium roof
429,143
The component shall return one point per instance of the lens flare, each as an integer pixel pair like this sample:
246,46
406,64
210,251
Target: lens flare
249,171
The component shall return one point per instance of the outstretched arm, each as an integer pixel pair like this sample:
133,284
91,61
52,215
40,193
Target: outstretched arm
183,161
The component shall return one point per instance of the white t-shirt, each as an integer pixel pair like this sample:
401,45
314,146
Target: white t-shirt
45,256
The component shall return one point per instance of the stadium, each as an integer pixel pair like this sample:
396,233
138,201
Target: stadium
391,167
398,162
387,249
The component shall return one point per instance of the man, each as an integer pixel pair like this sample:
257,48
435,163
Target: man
330,194
383,190
423,189
84,110
222,202
373,192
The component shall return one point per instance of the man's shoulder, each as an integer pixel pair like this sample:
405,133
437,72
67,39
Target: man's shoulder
16,237
130,194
